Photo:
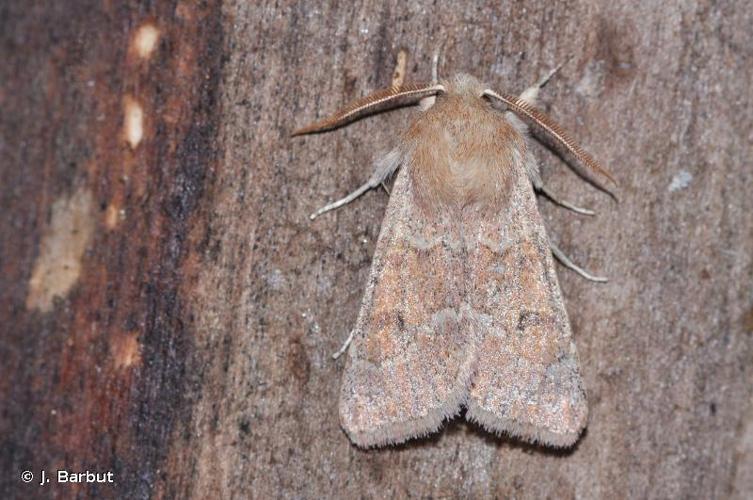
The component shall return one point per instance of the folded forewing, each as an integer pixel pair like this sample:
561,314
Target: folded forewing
408,366
527,381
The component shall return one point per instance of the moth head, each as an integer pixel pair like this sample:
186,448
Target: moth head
464,85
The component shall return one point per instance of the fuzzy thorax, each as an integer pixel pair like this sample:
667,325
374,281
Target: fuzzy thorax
462,152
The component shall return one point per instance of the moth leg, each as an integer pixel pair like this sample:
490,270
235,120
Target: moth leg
531,94
345,346
565,261
545,191
435,66
429,101
532,168
383,169
344,201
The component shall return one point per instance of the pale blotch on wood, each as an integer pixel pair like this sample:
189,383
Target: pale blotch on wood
145,40
398,75
125,349
113,215
58,265
133,122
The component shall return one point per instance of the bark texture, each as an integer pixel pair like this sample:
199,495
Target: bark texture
167,310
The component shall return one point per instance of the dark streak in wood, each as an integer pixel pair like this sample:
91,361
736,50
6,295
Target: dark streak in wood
191,357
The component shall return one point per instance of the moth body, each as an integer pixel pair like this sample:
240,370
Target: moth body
462,307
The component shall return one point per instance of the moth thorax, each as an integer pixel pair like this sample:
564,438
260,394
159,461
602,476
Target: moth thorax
463,153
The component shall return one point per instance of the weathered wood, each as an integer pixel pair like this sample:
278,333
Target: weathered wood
168,310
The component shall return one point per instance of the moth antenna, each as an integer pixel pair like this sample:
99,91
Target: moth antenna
521,108
380,100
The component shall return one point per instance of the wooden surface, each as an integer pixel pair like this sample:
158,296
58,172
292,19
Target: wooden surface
167,310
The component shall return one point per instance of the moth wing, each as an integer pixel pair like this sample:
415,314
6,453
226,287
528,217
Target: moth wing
408,366
527,381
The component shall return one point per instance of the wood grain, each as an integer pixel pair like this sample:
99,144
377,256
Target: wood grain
188,350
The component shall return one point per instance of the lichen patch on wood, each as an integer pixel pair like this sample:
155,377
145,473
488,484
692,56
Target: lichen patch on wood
59,263
145,40
133,121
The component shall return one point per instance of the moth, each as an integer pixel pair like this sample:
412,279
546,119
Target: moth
462,306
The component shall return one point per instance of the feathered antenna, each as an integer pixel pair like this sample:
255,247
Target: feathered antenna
380,100
531,114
